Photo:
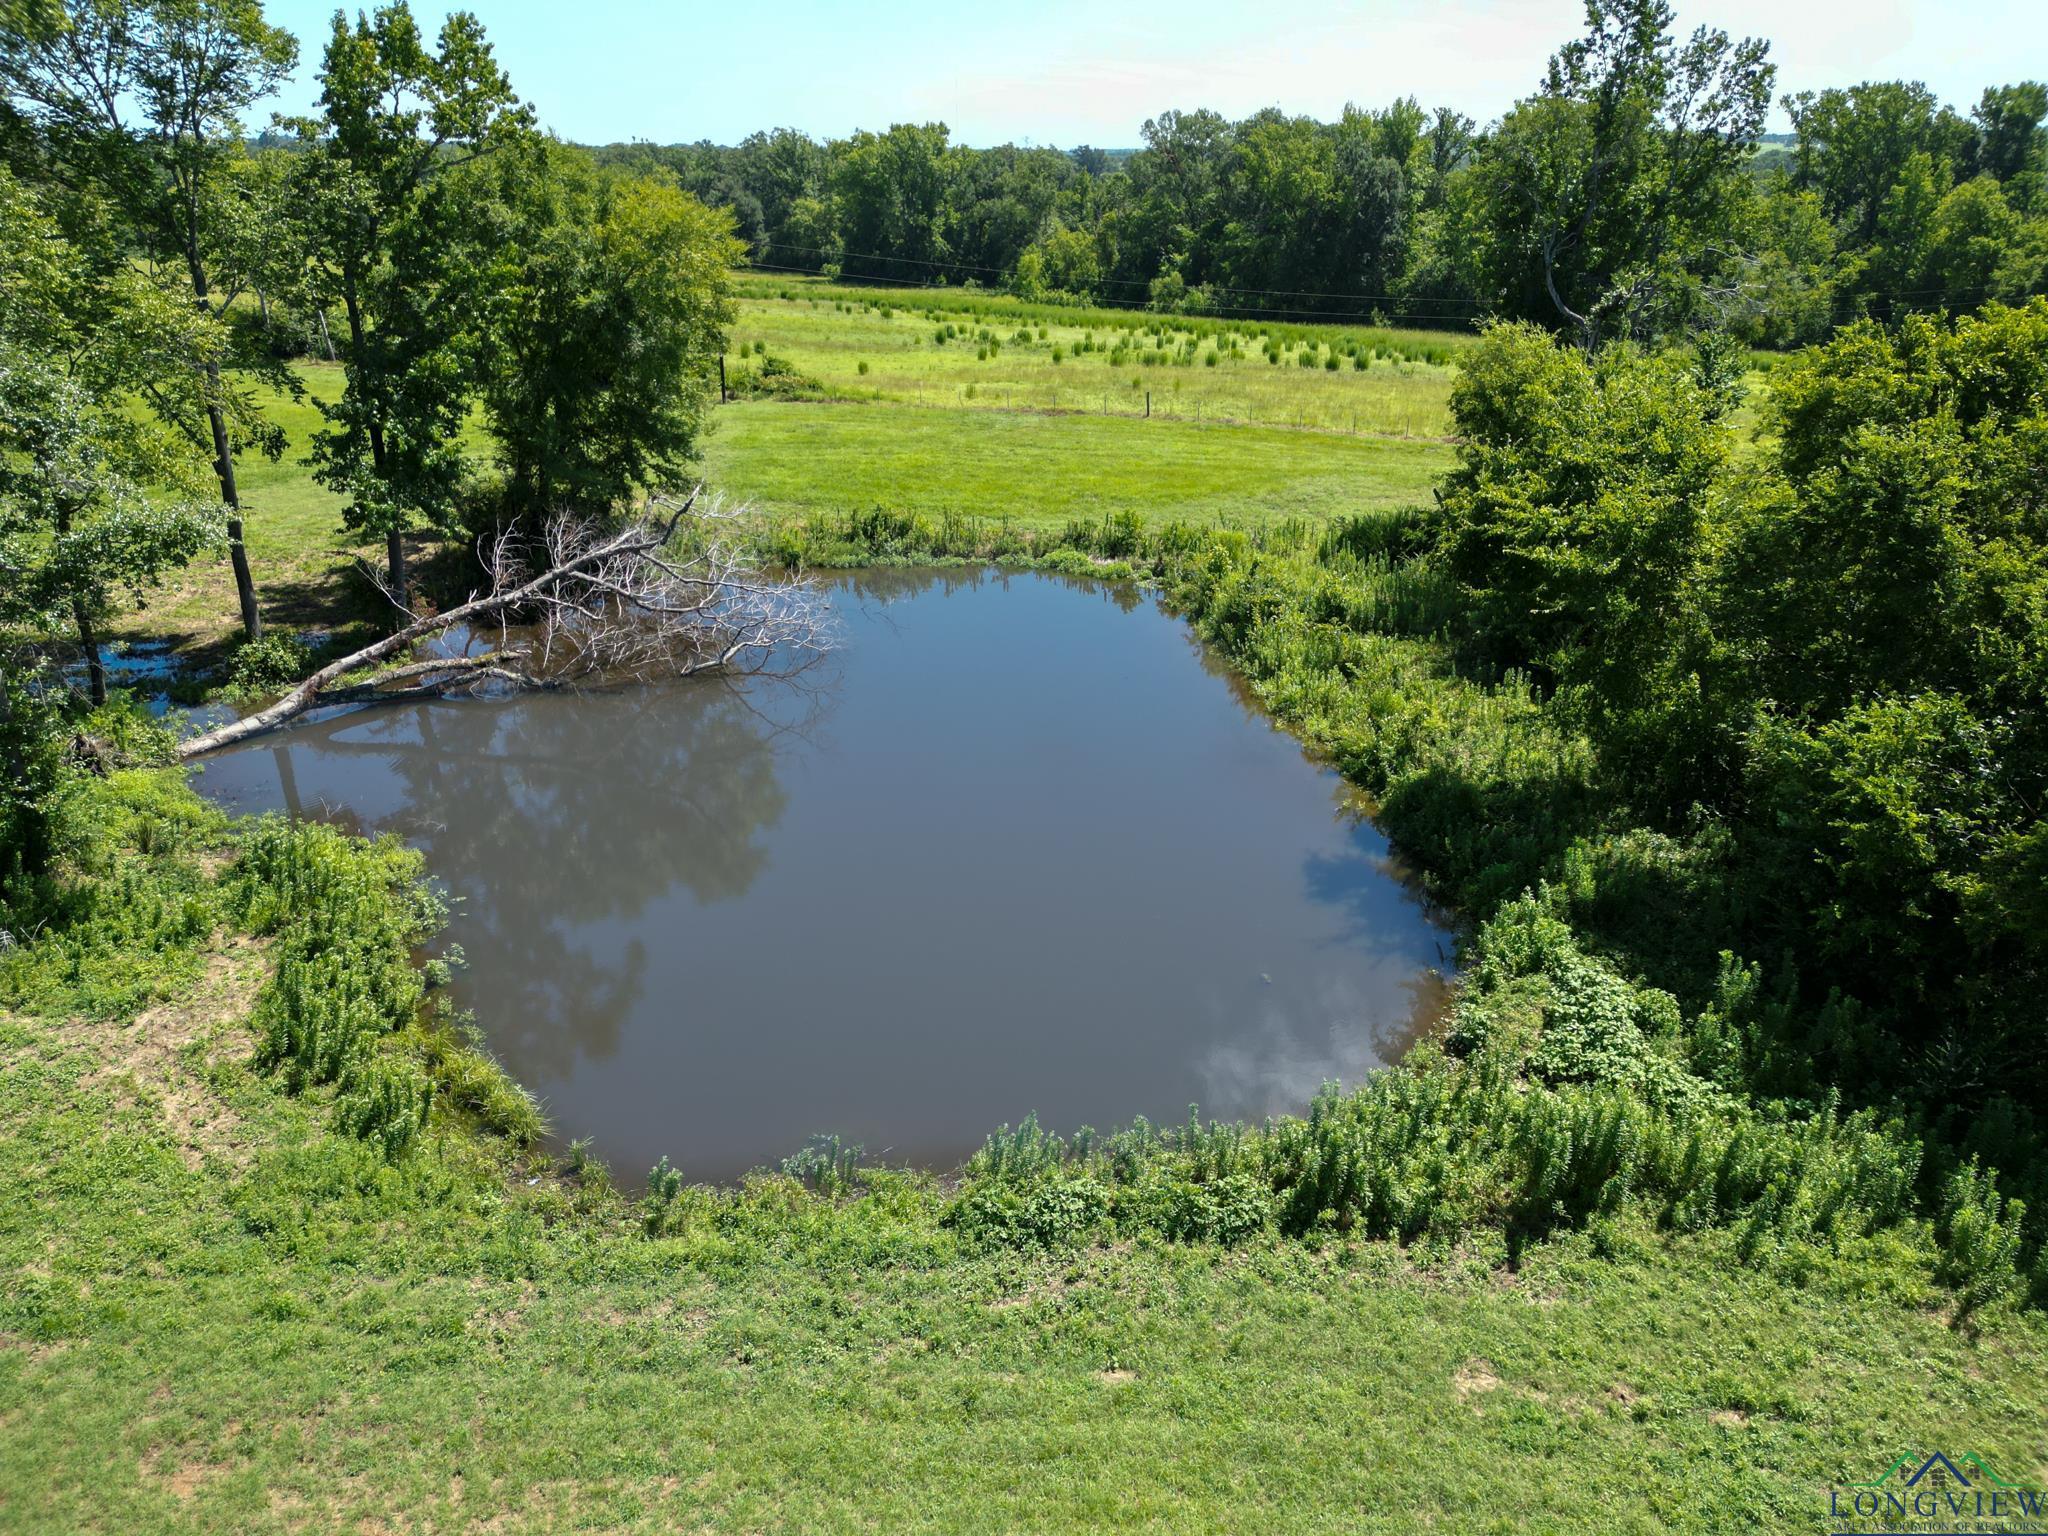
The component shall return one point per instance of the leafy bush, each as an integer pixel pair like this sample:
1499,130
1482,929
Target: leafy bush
347,1004
270,665
774,378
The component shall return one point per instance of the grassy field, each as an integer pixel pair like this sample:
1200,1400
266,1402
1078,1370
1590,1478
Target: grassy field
1011,438
221,1310
1035,470
986,350
219,1314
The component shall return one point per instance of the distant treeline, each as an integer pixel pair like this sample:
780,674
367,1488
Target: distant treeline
1633,194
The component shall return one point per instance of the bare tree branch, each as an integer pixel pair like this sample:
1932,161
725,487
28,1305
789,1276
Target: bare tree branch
661,595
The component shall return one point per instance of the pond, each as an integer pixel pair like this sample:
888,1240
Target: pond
1018,845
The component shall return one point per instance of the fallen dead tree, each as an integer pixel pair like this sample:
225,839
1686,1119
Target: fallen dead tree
662,596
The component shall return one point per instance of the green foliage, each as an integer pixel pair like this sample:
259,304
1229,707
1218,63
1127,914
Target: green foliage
1891,773
773,378
342,916
1603,202
397,236
606,311
135,116
31,749
1980,1236
824,1163
1440,1150
1577,524
259,667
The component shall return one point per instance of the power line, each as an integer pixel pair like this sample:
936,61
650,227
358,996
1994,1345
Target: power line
1479,307
1121,282
1365,317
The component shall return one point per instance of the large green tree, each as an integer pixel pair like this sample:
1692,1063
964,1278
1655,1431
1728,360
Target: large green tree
891,190
396,243
1579,522
90,503
606,313
1610,197
145,100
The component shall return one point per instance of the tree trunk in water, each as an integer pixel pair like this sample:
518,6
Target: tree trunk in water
288,782
96,670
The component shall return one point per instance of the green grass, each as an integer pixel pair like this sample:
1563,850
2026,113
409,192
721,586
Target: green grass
828,332
298,552
1035,444
220,1313
303,560
1037,471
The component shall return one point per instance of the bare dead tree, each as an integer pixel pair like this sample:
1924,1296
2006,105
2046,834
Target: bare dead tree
668,594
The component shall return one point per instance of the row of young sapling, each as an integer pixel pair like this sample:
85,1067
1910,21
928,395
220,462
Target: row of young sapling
1182,336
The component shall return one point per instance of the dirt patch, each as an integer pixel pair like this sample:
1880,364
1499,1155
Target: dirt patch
150,1054
505,1320
1051,1288
653,1312
1116,1376
37,1350
182,1479
1728,1418
1474,1377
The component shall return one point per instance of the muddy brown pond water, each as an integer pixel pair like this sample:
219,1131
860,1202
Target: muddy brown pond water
1017,846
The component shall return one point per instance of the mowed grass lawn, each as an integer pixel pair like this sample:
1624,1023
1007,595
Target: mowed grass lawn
217,1316
1038,470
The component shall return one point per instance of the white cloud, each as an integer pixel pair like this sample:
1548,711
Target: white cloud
1103,79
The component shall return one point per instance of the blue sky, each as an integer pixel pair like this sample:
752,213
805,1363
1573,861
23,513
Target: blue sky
1081,71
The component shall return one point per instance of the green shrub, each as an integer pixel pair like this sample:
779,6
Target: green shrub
259,667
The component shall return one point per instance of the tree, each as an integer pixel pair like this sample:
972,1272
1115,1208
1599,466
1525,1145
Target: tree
1061,261
663,594
2009,137
1579,523
891,193
82,333
1978,248
1170,222
1853,147
1790,282
79,521
1884,604
188,70
396,243
999,201
785,170
606,313
1610,196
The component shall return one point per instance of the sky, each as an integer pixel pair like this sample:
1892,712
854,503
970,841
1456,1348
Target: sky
1067,72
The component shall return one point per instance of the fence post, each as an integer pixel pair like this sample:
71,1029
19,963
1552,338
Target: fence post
1148,405
722,396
